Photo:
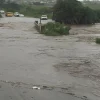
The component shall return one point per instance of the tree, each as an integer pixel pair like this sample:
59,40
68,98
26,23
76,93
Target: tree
1,3
73,12
11,6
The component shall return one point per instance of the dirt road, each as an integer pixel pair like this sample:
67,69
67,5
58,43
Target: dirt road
64,67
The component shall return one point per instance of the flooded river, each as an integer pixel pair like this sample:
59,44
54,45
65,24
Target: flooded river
69,64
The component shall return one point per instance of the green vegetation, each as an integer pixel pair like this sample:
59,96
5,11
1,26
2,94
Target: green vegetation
36,11
55,29
73,12
65,11
98,40
0,16
1,3
27,10
11,7
93,5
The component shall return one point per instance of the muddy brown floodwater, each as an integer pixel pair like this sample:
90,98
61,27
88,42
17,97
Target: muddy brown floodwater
69,65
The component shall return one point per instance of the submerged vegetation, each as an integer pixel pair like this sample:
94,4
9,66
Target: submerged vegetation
98,40
55,29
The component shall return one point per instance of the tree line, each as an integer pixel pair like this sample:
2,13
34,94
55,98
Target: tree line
8,5
64,11
26,9
73,12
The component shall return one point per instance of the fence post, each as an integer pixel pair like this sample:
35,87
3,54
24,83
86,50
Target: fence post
40,25
40,20
40,28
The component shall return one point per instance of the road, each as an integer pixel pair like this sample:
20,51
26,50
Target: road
60,66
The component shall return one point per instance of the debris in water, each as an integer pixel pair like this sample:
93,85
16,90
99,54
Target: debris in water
48,88
35,87
6,81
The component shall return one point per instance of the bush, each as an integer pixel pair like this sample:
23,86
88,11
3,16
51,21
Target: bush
98,40
0,16
55,29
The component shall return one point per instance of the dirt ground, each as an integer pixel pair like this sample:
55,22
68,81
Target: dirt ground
68,66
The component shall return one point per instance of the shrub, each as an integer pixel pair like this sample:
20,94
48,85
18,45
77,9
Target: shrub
0,16
55,29
98,40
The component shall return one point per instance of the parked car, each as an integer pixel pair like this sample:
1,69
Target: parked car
21,15
16,14
9,14
2,11
44,17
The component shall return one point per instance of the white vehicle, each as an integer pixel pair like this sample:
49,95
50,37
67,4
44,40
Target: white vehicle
2,11
16,14
21,15
44,17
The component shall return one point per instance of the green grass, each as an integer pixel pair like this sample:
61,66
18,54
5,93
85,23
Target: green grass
36,11
39,7
97,40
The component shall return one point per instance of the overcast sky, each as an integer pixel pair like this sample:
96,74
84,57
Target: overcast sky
82,0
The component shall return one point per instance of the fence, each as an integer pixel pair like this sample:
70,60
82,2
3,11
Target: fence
39,27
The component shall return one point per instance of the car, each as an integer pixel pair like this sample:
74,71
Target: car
2,11
16,14
21,15
44,17
9,14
